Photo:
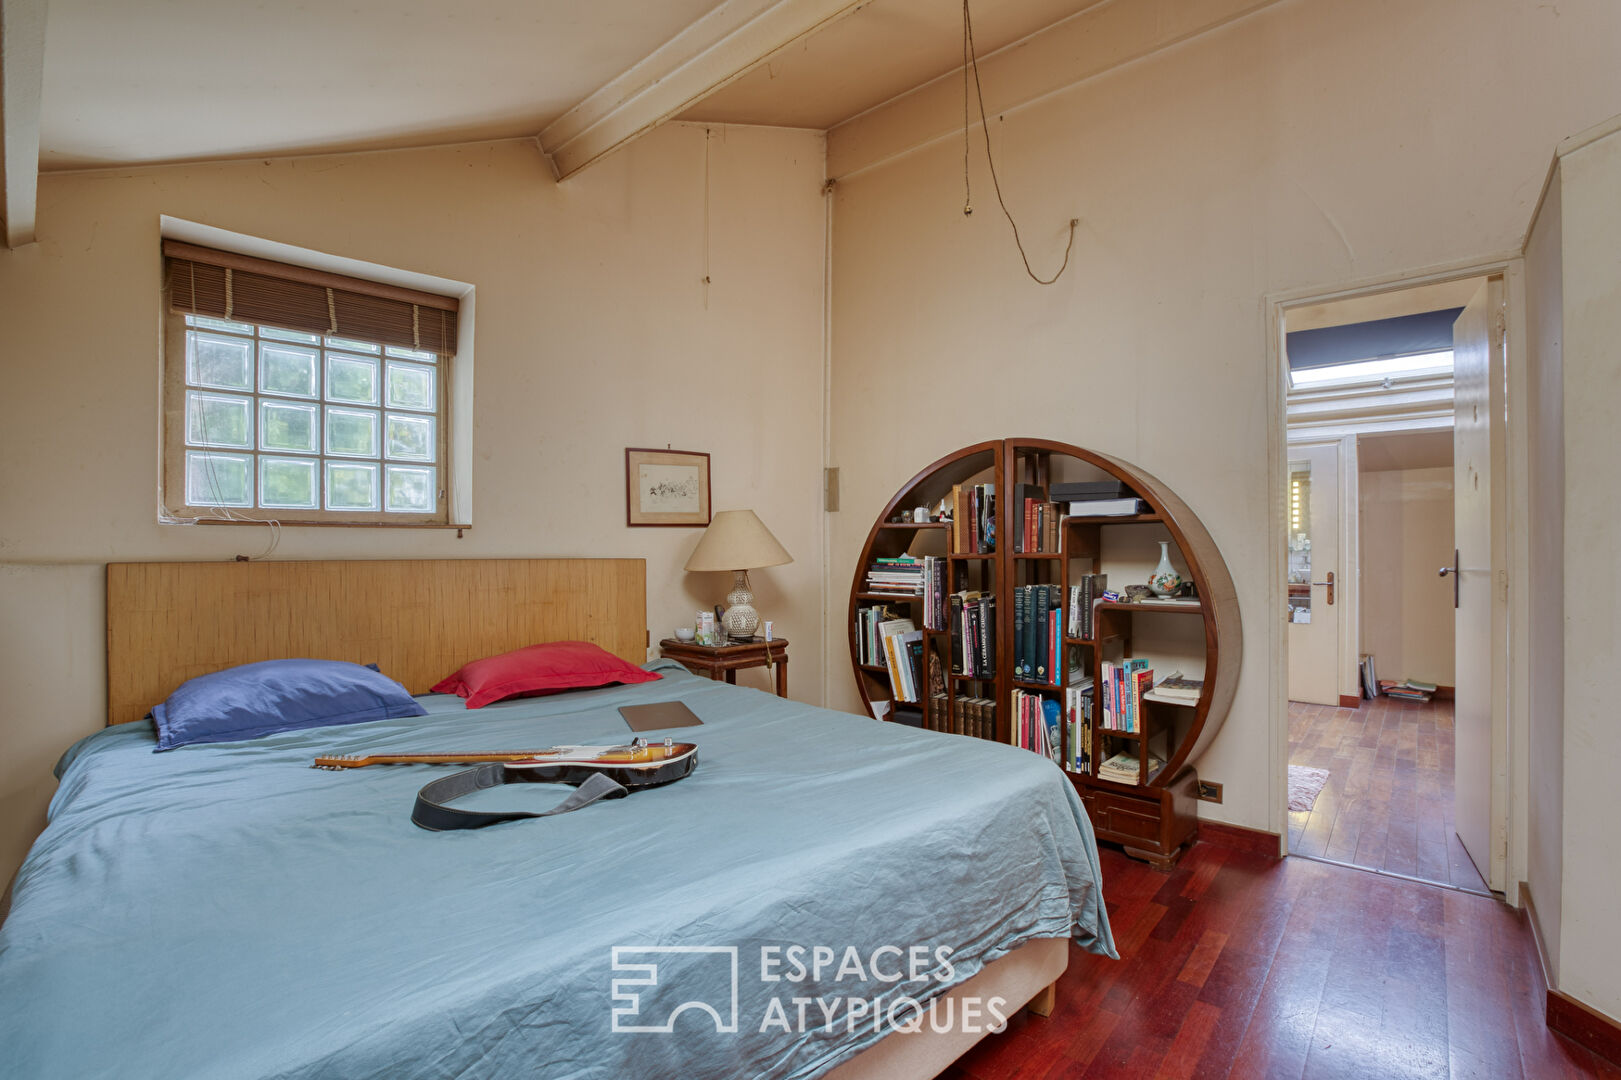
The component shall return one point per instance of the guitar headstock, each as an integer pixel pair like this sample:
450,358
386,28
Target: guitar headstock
341,762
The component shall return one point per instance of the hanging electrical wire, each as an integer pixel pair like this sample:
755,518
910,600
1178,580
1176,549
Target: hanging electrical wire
970,65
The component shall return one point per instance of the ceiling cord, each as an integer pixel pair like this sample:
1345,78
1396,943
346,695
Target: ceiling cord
971,65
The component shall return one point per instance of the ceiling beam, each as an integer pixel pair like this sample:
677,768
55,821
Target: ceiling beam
717,48
22,76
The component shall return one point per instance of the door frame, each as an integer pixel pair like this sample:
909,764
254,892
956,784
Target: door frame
1512,818
1348,579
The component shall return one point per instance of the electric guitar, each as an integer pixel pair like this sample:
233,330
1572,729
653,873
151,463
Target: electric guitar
632,761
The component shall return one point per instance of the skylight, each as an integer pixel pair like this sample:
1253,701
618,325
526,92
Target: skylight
1430,363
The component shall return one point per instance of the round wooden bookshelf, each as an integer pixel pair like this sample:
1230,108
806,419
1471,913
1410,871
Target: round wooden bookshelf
1153,818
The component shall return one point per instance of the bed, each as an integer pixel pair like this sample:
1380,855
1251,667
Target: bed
225,910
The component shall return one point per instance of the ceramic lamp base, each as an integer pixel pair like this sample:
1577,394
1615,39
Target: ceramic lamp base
741,620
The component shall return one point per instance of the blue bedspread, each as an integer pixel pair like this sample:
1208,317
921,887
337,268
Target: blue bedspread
226,911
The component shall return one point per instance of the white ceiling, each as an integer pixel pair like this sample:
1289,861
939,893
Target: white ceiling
130,81
145,81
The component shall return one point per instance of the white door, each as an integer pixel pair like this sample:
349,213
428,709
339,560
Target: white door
1480,579
1313,514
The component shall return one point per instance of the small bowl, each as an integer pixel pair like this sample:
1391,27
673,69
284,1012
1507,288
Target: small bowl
685,633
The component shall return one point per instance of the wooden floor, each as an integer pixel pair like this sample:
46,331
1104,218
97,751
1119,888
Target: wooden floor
1235,965
1388,801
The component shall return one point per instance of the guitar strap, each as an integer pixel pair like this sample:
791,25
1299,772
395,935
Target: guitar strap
590,784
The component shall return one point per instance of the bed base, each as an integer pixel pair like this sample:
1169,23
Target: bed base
1026,977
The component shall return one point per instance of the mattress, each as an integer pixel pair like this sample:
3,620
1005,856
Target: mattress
226,911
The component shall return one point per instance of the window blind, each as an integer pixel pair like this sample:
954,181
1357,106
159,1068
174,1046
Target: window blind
225,285
1380,339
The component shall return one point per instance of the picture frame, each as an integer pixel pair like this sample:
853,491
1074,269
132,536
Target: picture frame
668,488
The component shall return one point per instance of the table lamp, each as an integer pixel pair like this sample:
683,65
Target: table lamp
736,540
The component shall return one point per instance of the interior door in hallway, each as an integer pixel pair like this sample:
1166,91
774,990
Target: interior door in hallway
1313,514
1480,787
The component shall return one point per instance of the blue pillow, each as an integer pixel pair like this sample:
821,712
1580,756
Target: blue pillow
278,695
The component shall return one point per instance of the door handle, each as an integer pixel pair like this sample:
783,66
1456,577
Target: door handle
1330,584
1453,570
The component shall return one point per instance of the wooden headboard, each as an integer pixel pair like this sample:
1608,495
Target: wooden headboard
418,620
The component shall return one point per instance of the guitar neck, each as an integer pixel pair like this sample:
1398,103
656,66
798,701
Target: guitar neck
456,759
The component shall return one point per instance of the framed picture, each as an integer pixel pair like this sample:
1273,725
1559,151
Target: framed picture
666,487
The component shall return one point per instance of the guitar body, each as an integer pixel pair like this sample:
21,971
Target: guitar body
595,772
626,774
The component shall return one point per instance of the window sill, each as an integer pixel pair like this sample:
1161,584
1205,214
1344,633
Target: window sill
317,524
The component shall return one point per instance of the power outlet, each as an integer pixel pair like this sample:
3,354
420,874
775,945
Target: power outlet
1209,791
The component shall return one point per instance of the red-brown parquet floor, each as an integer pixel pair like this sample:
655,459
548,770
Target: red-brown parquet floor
1236,965
1388,801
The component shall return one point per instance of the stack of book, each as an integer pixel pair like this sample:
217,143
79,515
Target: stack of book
1176,689
1037,633
1078,724
869,640
1370,681
902,576
936,615
1035,520
1036,724
1081,598
903,654
1124,685
976,717
1122,768
973,634
1410,690
973,519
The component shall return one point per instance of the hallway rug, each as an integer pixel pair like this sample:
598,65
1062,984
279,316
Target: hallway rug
1304,786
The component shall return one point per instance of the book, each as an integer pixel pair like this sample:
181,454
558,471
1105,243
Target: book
1108,508
1055,634
987,633
1025,496
1039,645
913,643
1078,714
1052,725
1021,608
1141,683
955,604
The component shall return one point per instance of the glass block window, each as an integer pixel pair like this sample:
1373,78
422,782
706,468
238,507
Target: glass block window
265,423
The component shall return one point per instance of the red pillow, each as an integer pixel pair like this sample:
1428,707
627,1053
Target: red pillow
556,665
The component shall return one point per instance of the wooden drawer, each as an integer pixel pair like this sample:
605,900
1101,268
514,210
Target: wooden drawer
1125,816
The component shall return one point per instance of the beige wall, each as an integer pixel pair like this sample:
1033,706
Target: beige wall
1406,534
594,333
1311,144
1545,788
1590,363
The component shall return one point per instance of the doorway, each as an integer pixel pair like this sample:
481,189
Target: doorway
1376,454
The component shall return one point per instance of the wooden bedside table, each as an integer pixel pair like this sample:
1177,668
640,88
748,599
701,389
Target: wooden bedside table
711,661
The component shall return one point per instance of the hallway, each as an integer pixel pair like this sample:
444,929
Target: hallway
1388,801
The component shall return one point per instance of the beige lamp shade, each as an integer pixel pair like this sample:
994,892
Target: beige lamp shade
737,540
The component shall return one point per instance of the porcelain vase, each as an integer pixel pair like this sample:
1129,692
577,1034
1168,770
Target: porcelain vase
1164,580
